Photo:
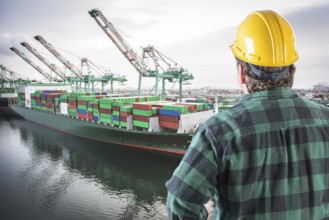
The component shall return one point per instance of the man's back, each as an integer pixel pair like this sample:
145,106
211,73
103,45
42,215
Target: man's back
272,158
275,163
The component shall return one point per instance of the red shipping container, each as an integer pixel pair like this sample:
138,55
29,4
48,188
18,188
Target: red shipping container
158,105
72,102
50,105
105,111
125,114
167,124
85,103
72,106
116,108
141,118
123,118
142,106
191,107
82,116
169,118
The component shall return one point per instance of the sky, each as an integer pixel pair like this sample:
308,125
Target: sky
196,34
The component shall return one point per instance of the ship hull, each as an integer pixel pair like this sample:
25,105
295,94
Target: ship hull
162,142
5,110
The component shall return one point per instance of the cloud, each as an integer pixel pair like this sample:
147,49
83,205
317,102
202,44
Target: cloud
192,35
7,41
314,16
312,32
207,56
311,27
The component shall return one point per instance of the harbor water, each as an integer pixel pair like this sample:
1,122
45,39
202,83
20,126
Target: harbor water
45,174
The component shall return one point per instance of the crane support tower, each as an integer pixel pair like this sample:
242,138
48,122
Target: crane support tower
105,76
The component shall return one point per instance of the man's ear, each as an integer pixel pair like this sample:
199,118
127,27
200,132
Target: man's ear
242,76
242,79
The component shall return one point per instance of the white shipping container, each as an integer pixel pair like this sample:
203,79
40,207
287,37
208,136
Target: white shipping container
64,108
188,122
130,122
154,124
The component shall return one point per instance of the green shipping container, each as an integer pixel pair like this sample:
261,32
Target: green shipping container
126,108
103,115
142,112
105,105
123,124
140,124
105,120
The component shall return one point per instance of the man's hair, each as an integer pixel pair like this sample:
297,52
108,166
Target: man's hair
255,84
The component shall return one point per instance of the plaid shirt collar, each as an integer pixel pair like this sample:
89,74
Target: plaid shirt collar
276,93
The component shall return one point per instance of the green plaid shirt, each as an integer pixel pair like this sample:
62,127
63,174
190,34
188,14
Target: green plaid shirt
265,158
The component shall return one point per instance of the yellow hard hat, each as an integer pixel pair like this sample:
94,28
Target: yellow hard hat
265,38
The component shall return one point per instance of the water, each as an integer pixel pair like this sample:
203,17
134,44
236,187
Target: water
45,174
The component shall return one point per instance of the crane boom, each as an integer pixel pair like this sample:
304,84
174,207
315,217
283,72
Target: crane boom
67,63
11,74
3,74
24,57
118,40
11,78
53,67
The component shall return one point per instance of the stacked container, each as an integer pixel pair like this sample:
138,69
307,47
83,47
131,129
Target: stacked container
46,100
43,99
94,105
116,111
52,101
226,103
105,110
83,102
169,115
142,112
33,101
72,106
63,100
126,112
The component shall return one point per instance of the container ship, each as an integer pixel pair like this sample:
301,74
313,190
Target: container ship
143,122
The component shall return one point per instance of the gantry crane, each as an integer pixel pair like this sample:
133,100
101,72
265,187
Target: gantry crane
168,68
61,58
4,79
138,62
104,76
87,79
10,77
24,57
121,44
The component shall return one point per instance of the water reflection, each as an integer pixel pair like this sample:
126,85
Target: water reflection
68,177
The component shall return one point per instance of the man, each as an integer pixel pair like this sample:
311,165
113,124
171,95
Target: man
268,156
